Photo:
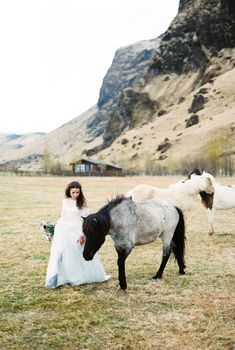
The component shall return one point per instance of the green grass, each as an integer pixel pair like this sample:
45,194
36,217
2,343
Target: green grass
195,311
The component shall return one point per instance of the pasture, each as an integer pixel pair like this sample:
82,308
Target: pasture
194,311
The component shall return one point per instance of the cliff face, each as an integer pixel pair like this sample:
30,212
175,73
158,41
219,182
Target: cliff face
189,55
200,30
129,65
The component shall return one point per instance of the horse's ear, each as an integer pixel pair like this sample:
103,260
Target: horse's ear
83,217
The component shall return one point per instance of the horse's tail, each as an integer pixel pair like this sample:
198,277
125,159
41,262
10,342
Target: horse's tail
179,238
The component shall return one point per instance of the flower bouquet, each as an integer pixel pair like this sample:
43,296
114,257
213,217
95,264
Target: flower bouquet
48,229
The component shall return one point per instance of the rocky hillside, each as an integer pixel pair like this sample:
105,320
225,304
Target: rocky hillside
162,101
63,144
129,65
201,124
188,56
11,143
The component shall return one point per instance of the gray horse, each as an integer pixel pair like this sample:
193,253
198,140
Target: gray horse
130,224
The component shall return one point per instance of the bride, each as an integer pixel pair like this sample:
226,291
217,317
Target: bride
66,263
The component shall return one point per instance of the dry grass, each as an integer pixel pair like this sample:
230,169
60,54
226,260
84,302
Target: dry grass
195,311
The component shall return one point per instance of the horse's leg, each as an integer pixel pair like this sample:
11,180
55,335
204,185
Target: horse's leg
210,217
122,255
180,261
165,257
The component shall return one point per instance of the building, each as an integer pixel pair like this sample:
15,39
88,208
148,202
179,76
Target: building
88,167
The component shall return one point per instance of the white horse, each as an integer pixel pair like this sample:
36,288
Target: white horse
181,194
223,198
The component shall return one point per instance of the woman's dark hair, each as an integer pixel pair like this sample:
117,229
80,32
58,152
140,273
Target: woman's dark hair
81,200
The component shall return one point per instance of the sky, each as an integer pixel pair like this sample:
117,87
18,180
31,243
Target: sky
55,54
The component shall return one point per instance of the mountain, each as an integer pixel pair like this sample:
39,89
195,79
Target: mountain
163,102
63,144
188,82
11,143
188,56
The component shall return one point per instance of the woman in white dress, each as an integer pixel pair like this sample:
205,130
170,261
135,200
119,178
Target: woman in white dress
66,264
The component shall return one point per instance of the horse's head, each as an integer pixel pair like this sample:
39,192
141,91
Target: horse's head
95,228
204,182
209,182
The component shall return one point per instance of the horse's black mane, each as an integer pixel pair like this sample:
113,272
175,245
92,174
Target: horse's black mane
112,203
196,171
98,224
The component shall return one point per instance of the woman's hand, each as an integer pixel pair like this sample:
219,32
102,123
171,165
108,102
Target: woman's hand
81,240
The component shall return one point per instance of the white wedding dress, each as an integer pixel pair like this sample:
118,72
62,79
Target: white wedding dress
66,264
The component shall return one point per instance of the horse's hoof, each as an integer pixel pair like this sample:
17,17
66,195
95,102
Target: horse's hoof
156,277
123,286
182,272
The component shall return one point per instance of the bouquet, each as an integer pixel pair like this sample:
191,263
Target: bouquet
48,229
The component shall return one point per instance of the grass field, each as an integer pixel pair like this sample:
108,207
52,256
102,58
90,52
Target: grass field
195,311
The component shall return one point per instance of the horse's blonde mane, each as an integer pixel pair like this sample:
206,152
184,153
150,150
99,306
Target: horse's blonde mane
187,184
205,174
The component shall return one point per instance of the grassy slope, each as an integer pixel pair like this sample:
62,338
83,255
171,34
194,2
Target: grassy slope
195,311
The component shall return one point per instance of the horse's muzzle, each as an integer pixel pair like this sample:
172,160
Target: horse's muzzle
88,257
